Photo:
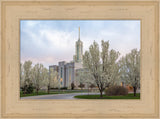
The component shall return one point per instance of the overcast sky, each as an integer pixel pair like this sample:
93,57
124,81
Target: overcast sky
51,41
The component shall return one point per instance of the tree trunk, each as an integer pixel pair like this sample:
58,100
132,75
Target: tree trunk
101,93
24,93
88,91
48,89
134,88
37,91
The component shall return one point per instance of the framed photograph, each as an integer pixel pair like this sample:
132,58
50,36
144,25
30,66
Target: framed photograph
80,59
56,64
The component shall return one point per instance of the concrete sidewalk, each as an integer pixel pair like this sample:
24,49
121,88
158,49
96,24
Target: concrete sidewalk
57,96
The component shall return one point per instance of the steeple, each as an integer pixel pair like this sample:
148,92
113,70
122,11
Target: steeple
79,34
79,50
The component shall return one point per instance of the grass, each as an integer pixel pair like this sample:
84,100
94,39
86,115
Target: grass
51,92
129,96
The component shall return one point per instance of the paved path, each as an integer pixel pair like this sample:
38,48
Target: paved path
57,96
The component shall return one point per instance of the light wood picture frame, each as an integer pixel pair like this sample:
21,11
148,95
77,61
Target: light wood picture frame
12,11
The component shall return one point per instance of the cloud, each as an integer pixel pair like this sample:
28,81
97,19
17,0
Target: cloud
48,46
49,42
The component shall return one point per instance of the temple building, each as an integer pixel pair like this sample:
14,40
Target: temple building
67,71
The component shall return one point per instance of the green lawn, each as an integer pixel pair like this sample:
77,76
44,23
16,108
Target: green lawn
129,96
52,92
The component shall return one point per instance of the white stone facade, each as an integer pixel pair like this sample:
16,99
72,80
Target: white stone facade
67,71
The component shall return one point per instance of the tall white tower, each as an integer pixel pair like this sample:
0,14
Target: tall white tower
79,50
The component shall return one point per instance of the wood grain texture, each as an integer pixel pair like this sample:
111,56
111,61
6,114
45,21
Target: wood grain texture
13,11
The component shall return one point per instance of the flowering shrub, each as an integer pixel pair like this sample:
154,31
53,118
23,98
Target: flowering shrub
116,90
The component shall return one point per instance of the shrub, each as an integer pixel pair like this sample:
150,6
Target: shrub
54,88
92,86
64,88
81,85
116,90
28,89
72,86
130,87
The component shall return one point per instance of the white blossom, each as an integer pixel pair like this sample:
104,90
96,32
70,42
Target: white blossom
130,69
103,66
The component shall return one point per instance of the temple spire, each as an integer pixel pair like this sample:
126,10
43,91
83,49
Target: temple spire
79,33
78,57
